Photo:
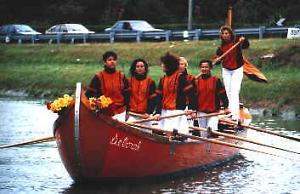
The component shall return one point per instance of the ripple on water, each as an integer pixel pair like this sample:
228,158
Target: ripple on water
38,168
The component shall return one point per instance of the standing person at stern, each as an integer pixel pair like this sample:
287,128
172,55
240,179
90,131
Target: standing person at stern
232,71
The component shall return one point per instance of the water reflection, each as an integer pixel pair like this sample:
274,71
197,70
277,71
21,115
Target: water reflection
38,168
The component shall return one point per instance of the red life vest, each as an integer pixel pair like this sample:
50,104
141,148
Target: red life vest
206,94
112,86
139,94
230,60
189,78
170,86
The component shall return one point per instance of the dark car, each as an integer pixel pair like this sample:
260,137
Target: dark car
132,25
16,29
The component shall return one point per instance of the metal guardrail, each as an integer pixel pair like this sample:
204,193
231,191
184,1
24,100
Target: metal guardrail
139,36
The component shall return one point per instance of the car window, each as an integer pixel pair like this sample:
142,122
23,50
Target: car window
63,28
77,28
23,28
127,26
141,25
119,26
54,29
11,29
4,29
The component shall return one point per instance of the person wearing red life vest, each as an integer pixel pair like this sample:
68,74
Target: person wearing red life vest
232,71
210,94
111,83
171,94
142,91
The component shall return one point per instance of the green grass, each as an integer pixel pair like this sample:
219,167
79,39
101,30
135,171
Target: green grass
49,71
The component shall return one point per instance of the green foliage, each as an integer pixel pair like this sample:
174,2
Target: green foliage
95,12
45,70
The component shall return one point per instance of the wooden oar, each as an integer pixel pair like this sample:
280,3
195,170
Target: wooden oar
242,139
263,130
162,117
137,114
214,141
228,51
40,140
223,55
176,115
212,114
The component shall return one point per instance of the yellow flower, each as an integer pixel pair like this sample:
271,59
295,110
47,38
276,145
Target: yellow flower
100,103
61,103
105,101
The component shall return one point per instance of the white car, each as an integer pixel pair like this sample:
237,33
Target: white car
132,26
68,29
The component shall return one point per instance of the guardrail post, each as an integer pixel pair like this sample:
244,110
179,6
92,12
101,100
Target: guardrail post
7,39
112,37
261,32
138,36
168,34
84,38
32,39
58,38
198,34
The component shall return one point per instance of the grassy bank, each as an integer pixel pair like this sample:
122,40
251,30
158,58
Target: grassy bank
49,71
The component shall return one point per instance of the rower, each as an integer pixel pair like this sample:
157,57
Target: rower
171,94
142,92
111,83
210,94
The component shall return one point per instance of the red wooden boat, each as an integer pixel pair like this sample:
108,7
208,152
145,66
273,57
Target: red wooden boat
101,148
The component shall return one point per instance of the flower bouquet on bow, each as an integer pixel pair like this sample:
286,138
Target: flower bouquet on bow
60,104
102,105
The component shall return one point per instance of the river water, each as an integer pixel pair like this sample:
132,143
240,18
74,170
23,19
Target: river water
38,168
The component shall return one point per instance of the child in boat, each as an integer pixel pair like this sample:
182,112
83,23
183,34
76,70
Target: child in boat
142,91
232,71
183,65
111,83
210,94
172,89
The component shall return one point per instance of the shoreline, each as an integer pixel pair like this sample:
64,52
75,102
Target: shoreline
263,111
55,70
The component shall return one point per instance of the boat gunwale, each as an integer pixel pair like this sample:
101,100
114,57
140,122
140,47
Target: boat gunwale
127,128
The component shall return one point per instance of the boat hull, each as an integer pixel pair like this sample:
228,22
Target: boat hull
110,150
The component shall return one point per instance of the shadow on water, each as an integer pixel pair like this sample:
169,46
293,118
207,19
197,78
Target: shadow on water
204,180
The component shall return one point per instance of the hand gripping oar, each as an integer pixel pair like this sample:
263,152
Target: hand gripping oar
264,130
241,138
214,141
35,141
212,114
228,51
223,55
